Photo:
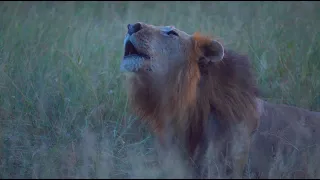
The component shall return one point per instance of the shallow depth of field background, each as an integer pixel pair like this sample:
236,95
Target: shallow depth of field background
63,109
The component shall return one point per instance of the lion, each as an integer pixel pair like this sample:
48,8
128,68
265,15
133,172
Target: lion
176,81
193,91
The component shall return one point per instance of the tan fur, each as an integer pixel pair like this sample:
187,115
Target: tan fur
286,143
182,93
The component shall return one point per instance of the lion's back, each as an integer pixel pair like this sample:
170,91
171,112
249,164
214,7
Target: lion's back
286,142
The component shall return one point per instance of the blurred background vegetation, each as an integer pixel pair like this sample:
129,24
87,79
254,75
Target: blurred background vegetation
63,111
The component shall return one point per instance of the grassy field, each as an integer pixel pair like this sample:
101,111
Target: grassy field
63,111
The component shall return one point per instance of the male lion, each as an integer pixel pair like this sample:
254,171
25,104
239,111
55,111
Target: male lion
191,88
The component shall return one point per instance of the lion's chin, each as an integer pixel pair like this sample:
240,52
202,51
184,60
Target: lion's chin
134,63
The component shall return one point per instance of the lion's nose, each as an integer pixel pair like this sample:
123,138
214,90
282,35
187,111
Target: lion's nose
133,28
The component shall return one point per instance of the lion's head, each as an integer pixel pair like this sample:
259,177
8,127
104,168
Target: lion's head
161,49
174,77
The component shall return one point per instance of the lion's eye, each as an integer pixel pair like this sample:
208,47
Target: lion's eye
172,33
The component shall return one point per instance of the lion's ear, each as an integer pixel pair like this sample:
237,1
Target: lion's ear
213,52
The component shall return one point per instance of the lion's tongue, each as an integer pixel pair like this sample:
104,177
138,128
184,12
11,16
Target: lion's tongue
131,63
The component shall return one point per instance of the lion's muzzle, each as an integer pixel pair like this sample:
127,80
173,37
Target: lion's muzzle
133,60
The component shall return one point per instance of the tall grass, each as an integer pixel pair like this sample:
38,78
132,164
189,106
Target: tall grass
63,110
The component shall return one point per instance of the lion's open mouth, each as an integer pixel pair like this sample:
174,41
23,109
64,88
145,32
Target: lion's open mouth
133,60
130,50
